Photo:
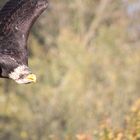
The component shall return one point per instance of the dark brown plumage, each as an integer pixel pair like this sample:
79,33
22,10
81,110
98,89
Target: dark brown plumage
16,20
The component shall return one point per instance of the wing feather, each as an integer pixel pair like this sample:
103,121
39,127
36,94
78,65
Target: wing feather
7,13
7,64
16,20
17,16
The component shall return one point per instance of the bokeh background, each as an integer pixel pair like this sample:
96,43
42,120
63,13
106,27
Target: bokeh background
86,55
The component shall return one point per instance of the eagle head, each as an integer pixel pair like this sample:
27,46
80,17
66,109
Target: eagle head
22,75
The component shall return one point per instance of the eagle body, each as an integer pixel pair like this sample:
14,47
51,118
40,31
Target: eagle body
16,20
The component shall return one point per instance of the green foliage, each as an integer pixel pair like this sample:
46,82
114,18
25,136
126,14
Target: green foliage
86,89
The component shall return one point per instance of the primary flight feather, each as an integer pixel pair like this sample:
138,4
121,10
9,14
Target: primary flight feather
16,20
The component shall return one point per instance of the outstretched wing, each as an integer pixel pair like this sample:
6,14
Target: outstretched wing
17,17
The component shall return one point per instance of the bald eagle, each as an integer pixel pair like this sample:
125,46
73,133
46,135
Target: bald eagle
16,20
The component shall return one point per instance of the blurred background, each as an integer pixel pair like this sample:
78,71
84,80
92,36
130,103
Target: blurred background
86,55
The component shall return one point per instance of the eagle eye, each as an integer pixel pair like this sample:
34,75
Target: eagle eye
21,76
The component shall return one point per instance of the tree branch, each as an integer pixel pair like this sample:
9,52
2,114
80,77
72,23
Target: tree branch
100,15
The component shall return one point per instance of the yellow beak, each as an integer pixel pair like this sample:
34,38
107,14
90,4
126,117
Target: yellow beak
32,77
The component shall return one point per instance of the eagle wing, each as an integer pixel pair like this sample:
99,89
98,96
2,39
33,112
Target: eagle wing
7,64
17,16
16,20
